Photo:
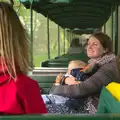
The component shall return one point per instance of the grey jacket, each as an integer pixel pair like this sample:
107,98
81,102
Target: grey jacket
105,74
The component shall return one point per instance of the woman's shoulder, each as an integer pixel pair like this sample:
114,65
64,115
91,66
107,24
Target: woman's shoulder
110,65
24,80
109,71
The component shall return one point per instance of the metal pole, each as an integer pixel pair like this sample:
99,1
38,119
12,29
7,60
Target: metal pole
64,41
68,39
48,36
58,41
112,22
116,31
104,28
71,36
31,33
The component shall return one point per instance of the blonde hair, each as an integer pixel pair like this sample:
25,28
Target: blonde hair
76,64
13,42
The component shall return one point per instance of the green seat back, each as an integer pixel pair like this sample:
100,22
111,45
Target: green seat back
107,103
61,117
45,82
64,60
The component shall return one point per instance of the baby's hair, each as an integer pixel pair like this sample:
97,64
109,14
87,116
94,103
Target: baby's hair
76,64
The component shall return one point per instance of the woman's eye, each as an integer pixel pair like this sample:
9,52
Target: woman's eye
95,44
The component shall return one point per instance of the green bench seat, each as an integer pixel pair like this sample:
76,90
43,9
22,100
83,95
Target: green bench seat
80,56
63,61
45,82
62,117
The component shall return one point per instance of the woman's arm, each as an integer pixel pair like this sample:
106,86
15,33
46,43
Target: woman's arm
71,81
94,84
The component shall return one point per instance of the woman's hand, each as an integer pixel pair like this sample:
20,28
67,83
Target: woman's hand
71,81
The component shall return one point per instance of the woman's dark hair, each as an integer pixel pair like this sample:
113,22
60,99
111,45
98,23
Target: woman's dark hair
105,40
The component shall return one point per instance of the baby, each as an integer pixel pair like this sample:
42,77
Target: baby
74,69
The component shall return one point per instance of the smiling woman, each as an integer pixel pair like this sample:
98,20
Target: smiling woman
99,45
94,49
100,52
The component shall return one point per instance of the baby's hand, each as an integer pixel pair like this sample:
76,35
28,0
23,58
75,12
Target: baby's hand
59,78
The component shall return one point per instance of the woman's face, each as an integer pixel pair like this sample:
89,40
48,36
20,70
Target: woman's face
94,48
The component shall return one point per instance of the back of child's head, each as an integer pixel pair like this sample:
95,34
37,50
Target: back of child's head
76,64
13,42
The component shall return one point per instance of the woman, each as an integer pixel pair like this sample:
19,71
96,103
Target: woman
100,52
18,93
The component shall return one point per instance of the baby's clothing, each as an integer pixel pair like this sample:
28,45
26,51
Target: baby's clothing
48,99
80,76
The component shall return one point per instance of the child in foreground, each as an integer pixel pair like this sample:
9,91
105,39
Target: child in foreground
19,94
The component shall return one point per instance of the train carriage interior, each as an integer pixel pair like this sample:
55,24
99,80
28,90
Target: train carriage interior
52,24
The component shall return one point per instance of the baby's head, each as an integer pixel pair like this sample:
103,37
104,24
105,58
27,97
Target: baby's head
75,64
